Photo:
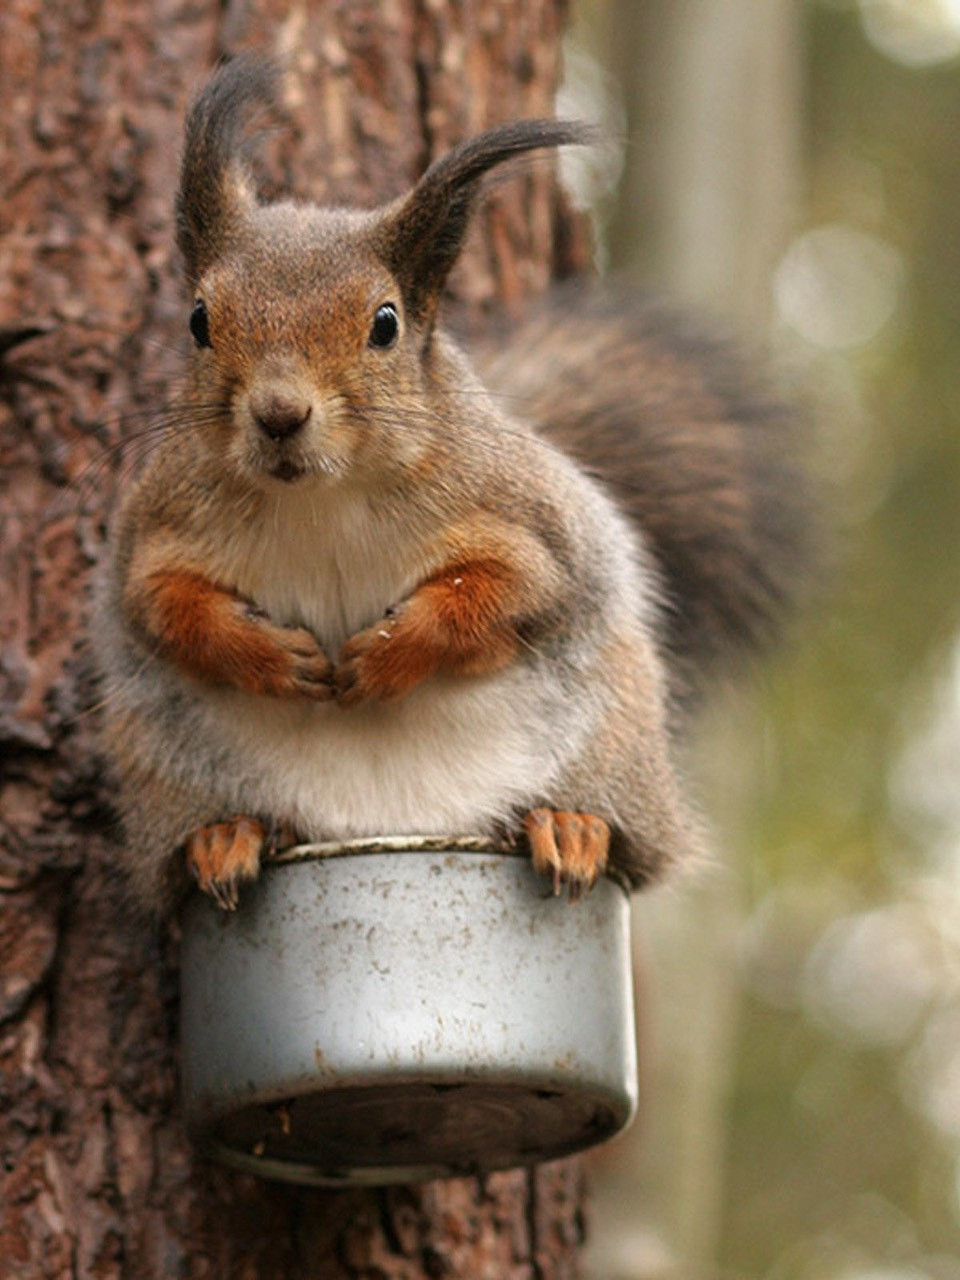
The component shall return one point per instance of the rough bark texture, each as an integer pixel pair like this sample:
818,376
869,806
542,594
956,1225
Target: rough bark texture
99,1180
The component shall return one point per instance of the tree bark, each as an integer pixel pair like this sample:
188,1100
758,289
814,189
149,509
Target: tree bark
99,1180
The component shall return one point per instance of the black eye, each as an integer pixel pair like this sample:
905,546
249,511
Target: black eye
200,325
385,327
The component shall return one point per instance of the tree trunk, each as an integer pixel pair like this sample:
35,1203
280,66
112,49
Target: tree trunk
99,1178
707,205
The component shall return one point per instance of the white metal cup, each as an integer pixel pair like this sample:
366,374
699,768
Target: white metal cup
394,1010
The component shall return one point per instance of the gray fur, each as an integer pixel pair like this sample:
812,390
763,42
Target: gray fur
400,451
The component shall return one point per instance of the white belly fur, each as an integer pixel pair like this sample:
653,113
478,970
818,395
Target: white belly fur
327,561
452,755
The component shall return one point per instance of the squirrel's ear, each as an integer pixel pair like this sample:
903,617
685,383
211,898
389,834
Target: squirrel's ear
420,235
216,184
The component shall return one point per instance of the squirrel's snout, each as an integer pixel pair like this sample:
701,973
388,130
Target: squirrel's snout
280,417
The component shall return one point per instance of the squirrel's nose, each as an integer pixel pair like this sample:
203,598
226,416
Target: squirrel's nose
279,417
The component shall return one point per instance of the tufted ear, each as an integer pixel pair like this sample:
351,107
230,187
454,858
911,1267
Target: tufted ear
216,184
421,234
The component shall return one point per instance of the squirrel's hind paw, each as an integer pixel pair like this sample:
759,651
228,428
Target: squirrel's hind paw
220,857
571,848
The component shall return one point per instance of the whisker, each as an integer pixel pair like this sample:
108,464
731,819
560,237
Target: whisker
134,447
175,409
489,393
112,694
439,425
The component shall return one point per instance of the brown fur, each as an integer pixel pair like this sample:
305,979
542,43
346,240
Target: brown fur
457,622
223,856
571,848
218,637
347,518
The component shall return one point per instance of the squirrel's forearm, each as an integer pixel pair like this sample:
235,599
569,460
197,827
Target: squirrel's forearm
218,637
465,614
195,623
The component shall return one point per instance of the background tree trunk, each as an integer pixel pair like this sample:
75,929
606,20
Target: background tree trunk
708,202
99,1180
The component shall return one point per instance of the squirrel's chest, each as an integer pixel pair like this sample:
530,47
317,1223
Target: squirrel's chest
332,567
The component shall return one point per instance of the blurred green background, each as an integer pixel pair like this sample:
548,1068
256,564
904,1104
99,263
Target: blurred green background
793,167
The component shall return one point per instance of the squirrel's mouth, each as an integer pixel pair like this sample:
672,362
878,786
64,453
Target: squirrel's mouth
287,471
288,466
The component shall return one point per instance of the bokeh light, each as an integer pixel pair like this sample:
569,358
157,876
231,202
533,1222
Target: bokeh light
837,286
916,33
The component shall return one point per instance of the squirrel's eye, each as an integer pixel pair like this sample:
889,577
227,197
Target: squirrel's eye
200,325
385,327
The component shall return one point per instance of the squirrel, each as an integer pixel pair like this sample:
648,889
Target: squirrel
359,590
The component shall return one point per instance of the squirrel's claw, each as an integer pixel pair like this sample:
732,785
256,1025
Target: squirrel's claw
571,848
223,855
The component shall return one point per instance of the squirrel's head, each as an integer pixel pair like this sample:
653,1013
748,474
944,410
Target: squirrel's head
314,327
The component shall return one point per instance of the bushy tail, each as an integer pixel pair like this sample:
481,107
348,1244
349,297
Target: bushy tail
694,449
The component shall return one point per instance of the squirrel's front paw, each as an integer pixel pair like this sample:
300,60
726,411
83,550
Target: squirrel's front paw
380,663
225,854
571,848
291,664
